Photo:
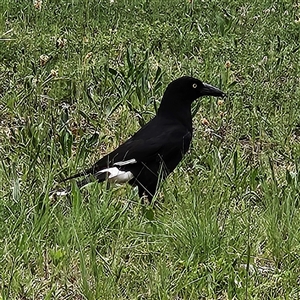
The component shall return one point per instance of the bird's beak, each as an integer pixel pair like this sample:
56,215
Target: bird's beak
209,90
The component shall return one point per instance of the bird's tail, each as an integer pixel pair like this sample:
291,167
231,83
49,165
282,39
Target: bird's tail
81,174
80,183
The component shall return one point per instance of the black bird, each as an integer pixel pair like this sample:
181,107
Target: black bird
152,153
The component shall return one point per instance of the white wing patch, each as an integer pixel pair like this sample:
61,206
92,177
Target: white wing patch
126,162
117,176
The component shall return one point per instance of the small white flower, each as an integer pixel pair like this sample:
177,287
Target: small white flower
38,4
44,58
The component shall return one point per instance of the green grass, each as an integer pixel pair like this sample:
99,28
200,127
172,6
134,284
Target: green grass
225,225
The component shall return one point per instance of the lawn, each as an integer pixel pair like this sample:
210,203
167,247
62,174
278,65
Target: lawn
77,78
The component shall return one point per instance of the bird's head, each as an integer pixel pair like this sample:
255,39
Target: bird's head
189,89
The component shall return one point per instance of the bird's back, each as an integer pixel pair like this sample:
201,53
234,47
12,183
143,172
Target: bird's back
158,137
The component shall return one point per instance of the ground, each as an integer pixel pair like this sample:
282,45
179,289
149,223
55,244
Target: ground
77,78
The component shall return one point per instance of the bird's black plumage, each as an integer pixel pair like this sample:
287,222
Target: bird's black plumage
155,150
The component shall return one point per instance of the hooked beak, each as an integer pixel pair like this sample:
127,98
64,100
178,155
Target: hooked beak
209,90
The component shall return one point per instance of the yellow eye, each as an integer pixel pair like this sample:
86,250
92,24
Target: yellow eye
194,85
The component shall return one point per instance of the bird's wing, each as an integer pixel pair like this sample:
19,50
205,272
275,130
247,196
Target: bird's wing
143,147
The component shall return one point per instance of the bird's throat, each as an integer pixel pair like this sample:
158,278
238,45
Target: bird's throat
176,110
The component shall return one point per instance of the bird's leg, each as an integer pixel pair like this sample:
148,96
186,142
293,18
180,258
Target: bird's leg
145,195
